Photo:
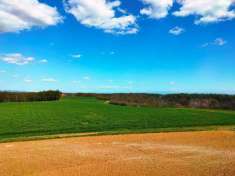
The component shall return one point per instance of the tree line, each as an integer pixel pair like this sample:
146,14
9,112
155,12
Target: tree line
209,101
30,96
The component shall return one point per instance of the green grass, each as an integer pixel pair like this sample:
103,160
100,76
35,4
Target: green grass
76,115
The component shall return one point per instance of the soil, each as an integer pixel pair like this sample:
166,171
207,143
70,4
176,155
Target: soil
164,154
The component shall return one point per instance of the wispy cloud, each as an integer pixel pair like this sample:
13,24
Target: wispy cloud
108,52
86,78
112,53
15,76
130,82
49,80
28,80
77,56
176,30
76,82
216,42
113,87
205,45
108,87
16,58
219,42
43,61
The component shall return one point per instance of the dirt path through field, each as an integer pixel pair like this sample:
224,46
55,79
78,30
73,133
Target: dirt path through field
163,154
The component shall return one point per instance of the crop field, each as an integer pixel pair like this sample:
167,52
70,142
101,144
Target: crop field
78,115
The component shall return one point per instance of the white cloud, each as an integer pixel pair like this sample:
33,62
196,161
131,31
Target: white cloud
123,11
2,71
28,80
49,80
219,42
208,11
15,76
172,83
156,8
176,30
113,87
101,14
16,58
43,61
108,53
86,78
107,87
76,82
130,82
77,56
205,45
17,15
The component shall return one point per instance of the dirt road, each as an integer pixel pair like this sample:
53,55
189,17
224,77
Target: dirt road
165,154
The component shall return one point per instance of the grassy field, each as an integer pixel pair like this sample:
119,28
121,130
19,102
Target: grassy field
74,115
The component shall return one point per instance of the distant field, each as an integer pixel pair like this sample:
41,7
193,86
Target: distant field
74,115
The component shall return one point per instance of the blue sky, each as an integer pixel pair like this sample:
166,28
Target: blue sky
118,46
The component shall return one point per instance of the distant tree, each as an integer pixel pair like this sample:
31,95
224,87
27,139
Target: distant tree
30,96
210,101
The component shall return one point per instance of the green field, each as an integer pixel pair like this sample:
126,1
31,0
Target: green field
75,115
